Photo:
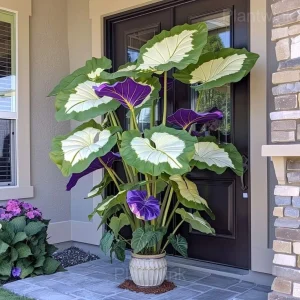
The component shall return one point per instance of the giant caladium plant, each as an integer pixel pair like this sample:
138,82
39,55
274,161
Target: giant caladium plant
156,161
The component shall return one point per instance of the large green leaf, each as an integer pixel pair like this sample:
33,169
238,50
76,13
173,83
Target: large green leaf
50,265
235,157
196,221
179,243
188,195
92,70
73,153
19,237
3,247
106,242
110,202
23,250
215,69
33,228
209,155
117,223
177,48
13,255
98,189
18,223
5,268
162,149
156,235
140,239
119,248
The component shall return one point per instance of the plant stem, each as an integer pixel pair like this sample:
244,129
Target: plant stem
172,214
167,207
148,185
199,100
167,242
165,98
109,170
163,203
152,117
134,120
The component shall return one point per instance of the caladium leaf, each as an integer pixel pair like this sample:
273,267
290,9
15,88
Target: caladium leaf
131,93
235,157
215,69
90,71
196,221
140,239
210,156
81,103
108,159
177,48
185,118
162,150
127,70
74,152
111,201
188,195
117,223
143,207
179,243
160,185
99,188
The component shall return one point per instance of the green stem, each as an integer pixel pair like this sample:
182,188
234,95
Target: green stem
172,214
165,98
167,207
148,185
163,203
110,172
134,120
167,242
199,101
152,117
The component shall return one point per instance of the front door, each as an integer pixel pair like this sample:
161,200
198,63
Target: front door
226,194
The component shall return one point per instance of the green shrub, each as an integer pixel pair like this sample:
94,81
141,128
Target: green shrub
24,250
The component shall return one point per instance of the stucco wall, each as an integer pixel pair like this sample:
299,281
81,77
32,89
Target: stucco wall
80,50
49,63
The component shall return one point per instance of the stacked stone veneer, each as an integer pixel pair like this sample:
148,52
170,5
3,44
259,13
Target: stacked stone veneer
285,126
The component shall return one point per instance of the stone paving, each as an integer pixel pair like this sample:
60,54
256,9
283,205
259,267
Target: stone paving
99,280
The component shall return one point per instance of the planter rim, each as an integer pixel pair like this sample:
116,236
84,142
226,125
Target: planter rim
155,256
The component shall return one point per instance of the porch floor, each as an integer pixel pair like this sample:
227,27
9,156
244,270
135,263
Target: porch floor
99,280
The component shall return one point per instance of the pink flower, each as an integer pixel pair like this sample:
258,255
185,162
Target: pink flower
13,207
30,214
27,206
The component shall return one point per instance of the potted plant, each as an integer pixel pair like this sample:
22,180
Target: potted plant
156,161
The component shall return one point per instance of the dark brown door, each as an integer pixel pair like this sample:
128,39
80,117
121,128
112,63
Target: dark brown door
226,195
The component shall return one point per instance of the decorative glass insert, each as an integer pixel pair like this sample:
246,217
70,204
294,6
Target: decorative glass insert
219,37
135,40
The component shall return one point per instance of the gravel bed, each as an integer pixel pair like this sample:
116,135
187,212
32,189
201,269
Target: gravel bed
74,256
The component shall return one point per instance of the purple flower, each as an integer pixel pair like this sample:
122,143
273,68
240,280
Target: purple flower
13,206
128,92
108,159
16,272
27,206
185,118
33,214
6,216
144,207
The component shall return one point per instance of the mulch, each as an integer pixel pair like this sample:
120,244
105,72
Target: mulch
131,286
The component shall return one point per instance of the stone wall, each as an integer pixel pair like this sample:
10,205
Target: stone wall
285,128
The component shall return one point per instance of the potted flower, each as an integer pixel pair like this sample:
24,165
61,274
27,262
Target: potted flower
156,161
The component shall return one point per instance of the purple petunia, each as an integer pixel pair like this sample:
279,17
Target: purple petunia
128,92
16,272
144,207
33,214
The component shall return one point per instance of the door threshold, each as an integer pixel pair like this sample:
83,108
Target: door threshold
241,274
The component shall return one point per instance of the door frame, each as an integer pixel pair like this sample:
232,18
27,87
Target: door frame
261,254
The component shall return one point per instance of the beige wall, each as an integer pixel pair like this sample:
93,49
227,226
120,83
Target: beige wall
49,63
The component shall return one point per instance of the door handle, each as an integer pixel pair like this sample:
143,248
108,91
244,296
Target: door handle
246,167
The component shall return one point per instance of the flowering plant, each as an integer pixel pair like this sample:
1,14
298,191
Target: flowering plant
24,250
156,161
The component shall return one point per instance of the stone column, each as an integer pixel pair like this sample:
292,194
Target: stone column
285,129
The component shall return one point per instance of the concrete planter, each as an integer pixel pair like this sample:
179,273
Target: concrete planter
148,270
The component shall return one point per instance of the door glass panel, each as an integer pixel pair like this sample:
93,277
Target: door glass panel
135,40
219,37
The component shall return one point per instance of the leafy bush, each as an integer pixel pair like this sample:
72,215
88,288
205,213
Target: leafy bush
24,250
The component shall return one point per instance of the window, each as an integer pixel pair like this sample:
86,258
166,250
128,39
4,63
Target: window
8,114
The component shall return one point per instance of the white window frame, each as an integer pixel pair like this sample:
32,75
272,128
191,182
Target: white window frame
22,188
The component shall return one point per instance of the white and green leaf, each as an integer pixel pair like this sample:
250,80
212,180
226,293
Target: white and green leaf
74,152
81,103
110,202
196,221
215,69
177,48
179,243
162,150
209,155
91,71
140,239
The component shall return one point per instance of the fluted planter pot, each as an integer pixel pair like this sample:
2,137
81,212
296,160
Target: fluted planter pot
148,270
